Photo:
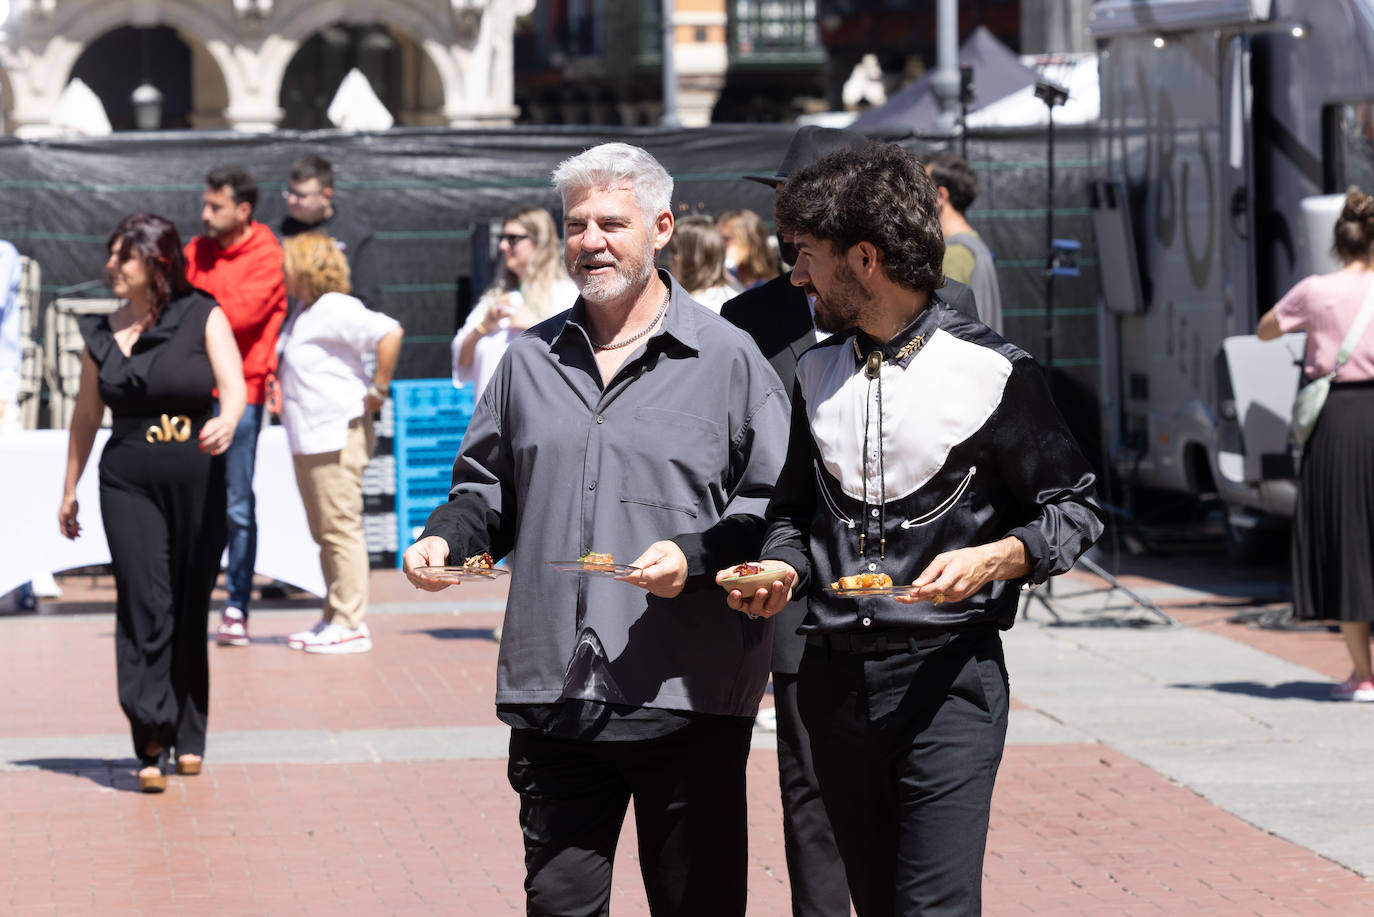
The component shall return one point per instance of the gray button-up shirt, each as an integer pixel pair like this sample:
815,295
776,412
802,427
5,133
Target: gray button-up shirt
691,429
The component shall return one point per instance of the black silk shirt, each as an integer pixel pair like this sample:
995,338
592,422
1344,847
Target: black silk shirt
954,442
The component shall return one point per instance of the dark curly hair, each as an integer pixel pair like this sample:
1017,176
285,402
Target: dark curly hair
155,242
955,175
1354,234
878,194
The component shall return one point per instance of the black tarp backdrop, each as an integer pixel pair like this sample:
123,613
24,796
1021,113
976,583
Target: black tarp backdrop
424,191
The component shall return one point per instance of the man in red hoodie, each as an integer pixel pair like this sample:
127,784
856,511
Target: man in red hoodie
239,263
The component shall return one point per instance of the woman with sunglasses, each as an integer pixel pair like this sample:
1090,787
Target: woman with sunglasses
531,286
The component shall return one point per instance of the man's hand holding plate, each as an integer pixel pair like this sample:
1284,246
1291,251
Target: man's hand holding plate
763,601
427,552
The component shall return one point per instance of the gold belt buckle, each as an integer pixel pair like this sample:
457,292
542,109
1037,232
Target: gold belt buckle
171,430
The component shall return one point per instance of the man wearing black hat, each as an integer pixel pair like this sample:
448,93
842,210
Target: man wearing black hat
777,313
778,317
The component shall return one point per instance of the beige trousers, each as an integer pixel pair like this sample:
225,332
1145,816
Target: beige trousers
331,486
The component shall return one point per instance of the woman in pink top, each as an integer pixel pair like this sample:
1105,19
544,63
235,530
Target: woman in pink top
1333,525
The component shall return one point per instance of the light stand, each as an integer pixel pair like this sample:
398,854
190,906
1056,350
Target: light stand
1062,261
1053,95
965,100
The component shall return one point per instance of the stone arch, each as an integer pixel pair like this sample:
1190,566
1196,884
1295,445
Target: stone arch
425,26
114,63
75,25
465,52
401,70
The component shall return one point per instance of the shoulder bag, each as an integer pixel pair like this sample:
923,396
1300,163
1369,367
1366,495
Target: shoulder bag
1307,406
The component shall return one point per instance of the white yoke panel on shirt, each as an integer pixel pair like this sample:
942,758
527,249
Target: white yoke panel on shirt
944,395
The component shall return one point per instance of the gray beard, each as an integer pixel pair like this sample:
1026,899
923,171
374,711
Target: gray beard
601,291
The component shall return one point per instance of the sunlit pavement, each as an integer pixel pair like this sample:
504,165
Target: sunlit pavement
1180,770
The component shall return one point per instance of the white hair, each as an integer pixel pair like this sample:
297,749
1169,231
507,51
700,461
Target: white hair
618,165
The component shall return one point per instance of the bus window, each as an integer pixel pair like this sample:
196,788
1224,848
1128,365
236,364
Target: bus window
1349,155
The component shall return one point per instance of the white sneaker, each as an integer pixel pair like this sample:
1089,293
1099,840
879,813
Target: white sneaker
44,586
335,638
767,720
300,638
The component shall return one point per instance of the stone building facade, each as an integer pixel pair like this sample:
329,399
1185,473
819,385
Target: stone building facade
454,57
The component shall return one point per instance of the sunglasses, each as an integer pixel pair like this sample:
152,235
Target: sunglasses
511,238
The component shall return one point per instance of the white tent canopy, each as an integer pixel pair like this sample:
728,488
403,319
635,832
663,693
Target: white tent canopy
79,111
1077,74
356,107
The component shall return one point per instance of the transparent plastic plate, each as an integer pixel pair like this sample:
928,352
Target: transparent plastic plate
873,590
454,574
581,568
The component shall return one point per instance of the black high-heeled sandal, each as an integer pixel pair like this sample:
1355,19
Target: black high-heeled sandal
153,783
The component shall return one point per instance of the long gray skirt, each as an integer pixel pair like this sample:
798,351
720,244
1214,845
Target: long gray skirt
1333,525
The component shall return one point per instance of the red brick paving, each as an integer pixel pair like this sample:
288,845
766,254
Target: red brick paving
1076,829
1084,830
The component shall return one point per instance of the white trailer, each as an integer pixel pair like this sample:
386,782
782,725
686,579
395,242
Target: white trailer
1224,122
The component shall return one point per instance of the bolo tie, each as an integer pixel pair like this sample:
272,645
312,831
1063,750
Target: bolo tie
873,370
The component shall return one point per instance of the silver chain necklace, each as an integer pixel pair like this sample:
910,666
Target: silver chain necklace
630,340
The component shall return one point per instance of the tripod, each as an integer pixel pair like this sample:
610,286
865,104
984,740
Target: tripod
1047,599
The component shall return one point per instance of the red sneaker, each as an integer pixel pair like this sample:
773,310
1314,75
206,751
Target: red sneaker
233,631
1360,690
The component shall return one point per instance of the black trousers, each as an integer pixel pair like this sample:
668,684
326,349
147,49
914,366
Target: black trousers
814,869
906,745
163,509
689,796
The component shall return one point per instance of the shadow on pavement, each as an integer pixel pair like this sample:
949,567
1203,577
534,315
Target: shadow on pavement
114,773
1289,690
268,640
457,633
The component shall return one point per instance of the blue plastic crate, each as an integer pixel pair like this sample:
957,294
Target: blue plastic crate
431,417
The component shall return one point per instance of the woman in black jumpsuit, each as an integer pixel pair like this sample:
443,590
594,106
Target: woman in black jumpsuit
155,363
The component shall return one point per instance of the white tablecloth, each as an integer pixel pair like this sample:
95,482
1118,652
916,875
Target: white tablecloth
33,464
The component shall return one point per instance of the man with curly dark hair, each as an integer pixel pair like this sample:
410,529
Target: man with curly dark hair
925,452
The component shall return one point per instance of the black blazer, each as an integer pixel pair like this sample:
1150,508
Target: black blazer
778,318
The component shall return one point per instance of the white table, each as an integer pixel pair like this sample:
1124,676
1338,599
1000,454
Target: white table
33,464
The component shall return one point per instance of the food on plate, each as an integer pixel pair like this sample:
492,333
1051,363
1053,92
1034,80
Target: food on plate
864,581
593,560
747,569
482,560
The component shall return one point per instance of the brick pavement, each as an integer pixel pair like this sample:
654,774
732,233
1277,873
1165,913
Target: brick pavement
1078,827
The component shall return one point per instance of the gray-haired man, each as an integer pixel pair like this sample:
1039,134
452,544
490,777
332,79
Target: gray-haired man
637,418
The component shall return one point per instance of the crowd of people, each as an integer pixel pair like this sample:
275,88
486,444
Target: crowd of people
747,420
204,334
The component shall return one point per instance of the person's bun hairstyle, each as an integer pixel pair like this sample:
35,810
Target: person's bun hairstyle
1354,234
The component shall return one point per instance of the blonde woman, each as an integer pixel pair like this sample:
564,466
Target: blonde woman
696,257
328,401
748,257
531,286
